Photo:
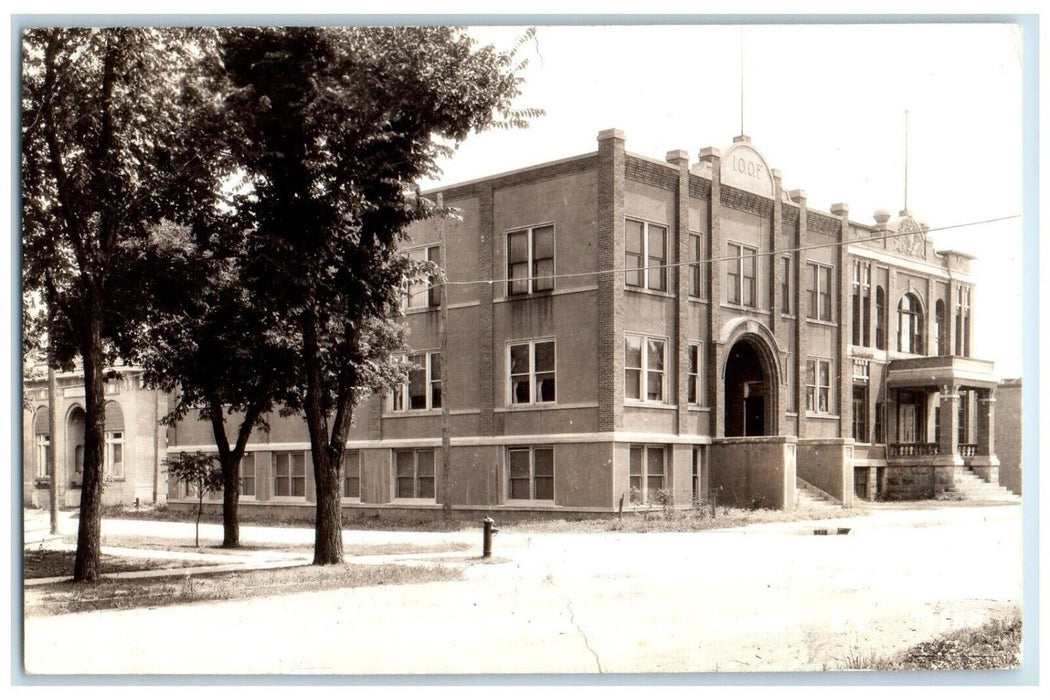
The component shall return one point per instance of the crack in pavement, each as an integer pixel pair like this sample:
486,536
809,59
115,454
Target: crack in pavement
586,642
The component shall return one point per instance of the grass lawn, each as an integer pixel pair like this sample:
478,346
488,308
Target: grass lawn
68,597
651,520
45,563
994,645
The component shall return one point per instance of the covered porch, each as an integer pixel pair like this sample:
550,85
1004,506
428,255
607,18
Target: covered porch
940,415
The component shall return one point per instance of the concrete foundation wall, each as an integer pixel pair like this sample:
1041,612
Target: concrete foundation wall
754,472
828,465
911,483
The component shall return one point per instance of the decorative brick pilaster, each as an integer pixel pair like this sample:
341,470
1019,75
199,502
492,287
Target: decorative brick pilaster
845,369
681,236
713,362
801,313
486,271
610,285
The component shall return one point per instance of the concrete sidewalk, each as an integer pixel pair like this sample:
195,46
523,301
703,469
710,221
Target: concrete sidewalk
262,547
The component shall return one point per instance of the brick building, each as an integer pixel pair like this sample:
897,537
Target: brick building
135,442
626,329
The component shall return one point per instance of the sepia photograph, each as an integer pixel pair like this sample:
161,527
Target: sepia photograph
394,347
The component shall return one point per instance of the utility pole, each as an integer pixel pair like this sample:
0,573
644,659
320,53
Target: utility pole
446,442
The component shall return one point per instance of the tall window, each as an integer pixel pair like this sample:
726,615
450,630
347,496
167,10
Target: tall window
819,292
880,318
643,368
645,255
422,391
861,297
909,324
646,471
740,275
694,377
115,454
962,321
289,474
940,341
860,412
43,448
880,422
964,416
531,474
787,281
414,473
42,430
248,476
423,293
531,372
695,475
351,474
696,271
818,386
530,260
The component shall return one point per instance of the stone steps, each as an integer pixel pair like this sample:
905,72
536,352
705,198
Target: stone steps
810,498
974,488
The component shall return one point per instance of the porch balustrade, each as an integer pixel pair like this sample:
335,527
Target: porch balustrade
913,449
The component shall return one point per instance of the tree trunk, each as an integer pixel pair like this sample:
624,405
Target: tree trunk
326,454
231,494
328,526
200,510
86,565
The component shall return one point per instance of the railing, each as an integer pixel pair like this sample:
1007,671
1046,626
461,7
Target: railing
968,449
913,449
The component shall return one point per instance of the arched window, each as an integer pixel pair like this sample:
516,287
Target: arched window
880,318
909,325
940,337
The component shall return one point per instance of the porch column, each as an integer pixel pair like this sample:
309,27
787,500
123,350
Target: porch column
985,422
985,463
949,439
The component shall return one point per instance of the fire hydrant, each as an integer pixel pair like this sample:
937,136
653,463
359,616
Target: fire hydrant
488,530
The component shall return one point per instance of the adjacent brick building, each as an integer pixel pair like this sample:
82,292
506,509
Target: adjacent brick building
625,329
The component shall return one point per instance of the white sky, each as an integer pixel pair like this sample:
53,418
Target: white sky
824,104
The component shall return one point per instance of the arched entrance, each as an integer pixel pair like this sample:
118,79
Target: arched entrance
750,390
75,422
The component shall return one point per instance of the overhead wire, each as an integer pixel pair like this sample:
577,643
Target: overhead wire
703,261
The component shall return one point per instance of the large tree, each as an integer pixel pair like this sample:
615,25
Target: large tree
212,343
104,148
338,125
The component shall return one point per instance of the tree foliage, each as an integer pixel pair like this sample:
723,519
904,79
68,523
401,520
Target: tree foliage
104,158
338,125
200,474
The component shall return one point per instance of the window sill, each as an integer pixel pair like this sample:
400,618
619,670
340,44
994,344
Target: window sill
414,501
741,307
529,502
287,499
820,322
822,416
649,292
650,404
527,295
699,409
350,499
416,412
530,406
420,310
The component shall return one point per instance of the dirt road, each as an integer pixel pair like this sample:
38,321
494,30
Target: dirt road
762,598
